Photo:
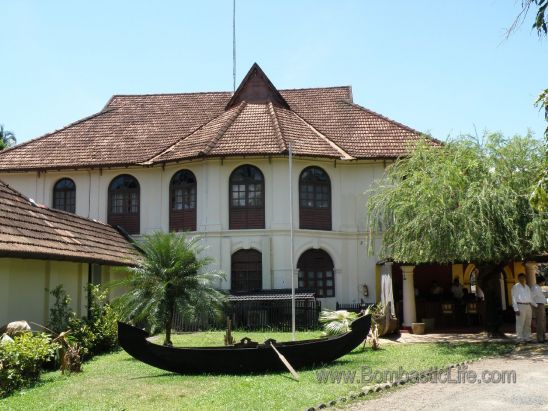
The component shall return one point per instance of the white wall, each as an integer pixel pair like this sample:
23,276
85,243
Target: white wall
24,284
346,243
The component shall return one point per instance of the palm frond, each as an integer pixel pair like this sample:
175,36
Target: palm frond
337,322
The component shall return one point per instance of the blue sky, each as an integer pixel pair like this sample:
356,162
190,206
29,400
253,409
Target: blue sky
437,66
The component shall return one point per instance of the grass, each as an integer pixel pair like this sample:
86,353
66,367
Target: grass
118,382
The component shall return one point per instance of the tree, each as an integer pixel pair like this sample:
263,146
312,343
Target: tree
540,23
465,201
171,277
539,195
7,138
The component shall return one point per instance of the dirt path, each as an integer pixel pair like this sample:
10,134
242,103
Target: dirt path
529,392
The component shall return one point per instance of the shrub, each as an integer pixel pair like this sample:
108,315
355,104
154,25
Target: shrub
98,332
102,320
60,314
80,333
21,361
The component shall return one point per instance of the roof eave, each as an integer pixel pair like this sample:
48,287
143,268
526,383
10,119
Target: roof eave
30,255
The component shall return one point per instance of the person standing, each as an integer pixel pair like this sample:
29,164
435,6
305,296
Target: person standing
456,290
458,294
522,302
540,312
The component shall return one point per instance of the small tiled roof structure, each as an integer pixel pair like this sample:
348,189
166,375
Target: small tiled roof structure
272,295
28,230
257,119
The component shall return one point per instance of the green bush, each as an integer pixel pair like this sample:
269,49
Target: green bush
102,320
60,314
80,333
21,361
98,333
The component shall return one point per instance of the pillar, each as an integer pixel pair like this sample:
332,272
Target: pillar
409,310
531,269
47,289
266,248
457,271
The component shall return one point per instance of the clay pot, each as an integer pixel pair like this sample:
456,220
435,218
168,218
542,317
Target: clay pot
418,328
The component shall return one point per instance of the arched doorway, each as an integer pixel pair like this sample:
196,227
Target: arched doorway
246,271
317,273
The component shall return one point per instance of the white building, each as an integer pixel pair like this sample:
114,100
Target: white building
217,164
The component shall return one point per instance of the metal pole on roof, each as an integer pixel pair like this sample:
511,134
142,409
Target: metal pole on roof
291,243
234,46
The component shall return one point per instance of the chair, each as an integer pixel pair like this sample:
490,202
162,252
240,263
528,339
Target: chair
448,313
472,313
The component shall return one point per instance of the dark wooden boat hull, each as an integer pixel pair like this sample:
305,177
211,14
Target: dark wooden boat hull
185,360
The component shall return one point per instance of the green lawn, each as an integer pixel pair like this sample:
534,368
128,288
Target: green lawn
118,382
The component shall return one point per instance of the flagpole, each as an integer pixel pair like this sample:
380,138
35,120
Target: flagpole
291,242
234,46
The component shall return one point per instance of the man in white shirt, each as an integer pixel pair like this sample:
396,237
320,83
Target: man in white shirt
456,290
522,302
540,312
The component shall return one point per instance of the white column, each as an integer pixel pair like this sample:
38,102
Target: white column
409,311
531,269
267,264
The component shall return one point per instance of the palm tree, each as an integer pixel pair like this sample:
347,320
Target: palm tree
171,277
7,138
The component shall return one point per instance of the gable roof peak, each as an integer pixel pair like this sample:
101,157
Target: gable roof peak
256,88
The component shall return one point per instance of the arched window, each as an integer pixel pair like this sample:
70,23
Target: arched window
64,195
317,273
247,271
314,199
182,194
123,203
246,198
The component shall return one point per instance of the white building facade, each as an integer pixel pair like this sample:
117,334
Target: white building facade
217,165
345,243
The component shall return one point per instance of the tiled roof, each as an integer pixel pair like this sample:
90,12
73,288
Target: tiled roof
157,128
28,230
252,129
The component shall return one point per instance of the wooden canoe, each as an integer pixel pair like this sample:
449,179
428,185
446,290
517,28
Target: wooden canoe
245,357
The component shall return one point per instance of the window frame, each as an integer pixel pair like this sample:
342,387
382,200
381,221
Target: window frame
315,216
127,197
66,193
310,263
184,218
242,257
246,215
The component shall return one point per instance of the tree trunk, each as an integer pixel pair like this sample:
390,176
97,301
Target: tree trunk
489,275
169,325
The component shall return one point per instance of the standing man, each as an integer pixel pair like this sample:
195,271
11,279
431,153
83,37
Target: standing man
522,302
540,312
458,293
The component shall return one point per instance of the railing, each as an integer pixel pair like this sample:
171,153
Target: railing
258,315
355,307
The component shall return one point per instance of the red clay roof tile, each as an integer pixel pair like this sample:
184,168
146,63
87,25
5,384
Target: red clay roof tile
156,128
28,230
